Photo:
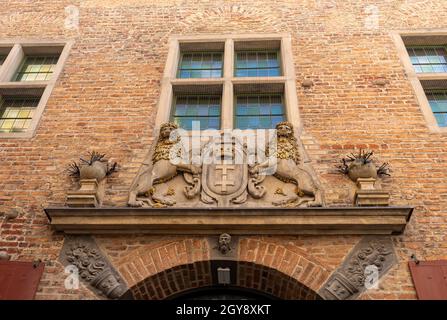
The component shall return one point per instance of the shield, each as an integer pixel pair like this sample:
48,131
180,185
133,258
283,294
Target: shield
224,177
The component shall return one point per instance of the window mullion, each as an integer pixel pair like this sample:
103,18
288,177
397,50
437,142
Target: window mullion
227,94
12,63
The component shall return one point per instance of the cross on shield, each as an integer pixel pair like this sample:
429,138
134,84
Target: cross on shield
223,179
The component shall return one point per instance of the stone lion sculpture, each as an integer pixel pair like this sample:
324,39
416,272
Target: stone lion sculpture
290,169
158,169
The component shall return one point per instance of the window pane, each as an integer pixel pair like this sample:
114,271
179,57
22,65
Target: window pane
438,103
257,64
214,111
252,72
200,65
259,111
263,73
216,73
185,74
2,59
273,72
196,73
16,113
428,59
207,61
241,60
241,73
273,59
262,60
217,61
196,62
201,108
252,60
186,61
37,68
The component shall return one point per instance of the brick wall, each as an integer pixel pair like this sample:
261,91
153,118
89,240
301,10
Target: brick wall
106,100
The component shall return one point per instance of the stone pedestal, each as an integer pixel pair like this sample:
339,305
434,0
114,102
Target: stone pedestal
87,195
368,195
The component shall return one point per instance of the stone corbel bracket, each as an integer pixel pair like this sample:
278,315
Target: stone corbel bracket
372,253
93,268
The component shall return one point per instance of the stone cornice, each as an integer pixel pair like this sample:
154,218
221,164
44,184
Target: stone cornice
242,221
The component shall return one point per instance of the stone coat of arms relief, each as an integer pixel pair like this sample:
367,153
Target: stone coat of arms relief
228,173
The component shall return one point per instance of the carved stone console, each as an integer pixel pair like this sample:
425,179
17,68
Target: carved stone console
348,281
92,266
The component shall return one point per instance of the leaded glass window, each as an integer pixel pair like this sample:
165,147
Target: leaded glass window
428,59
16,113
200,65
438,104
204,109
37,68
257,64
259,111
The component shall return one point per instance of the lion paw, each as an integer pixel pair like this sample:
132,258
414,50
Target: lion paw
135,203
285,202
313,204
164,201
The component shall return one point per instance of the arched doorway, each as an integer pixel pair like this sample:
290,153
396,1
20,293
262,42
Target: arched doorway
199,280
222,293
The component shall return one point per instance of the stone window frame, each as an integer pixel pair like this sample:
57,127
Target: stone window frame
16,51
405,38
228,84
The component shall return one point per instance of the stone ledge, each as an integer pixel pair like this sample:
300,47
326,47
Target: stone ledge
242,221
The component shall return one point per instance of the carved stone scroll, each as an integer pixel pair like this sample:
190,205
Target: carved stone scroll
93,267
348,281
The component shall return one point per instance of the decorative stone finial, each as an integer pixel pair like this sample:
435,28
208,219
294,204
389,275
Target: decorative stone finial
361,165
91,174
94,168
361,169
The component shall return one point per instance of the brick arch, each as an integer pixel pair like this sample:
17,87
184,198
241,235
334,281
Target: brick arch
287,258
160,256
230,13
185,278
171,266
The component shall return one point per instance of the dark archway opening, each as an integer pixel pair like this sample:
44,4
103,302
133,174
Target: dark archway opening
222,293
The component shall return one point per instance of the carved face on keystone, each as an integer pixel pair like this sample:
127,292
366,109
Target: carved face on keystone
224,243
284,129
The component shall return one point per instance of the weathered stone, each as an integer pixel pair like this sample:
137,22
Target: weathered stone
92,266
226,179
86,196
348,281
368,195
